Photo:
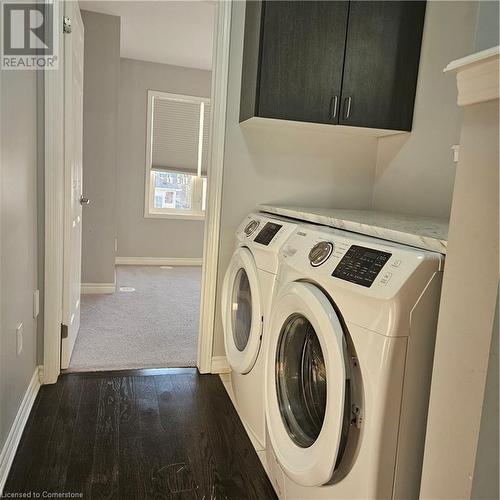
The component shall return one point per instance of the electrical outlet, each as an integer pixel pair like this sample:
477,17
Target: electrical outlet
19,339
36,303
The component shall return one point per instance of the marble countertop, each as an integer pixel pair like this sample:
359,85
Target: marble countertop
422,232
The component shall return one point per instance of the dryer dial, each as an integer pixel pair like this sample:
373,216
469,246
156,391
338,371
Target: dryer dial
251,227
320,253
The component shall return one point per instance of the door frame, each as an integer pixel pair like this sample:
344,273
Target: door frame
54,211
54,199
220,75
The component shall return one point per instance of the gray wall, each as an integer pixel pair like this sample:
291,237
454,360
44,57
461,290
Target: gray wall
283,164
100,112
415,172
18,237
138,236
487,25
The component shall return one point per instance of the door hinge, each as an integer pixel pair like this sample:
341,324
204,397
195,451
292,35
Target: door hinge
67,25
64,331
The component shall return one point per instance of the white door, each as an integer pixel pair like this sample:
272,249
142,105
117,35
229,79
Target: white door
73,133
305,384
242,311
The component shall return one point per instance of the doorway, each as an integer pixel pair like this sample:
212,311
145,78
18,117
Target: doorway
160,280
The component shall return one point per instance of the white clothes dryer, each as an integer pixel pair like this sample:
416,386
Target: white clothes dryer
246,300
349,361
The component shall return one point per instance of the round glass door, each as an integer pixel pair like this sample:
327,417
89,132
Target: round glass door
301,380
306,384
241,310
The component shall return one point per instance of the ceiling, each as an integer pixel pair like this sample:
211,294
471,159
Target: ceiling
168,32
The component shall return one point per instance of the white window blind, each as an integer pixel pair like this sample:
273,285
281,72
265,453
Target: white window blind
178,137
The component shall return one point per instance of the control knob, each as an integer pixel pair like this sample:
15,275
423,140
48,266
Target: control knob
320,253
251,227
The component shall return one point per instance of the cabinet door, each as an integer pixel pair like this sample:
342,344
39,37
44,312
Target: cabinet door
381,63
301,60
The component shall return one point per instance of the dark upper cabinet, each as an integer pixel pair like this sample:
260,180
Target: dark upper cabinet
350,63
381,64
299,78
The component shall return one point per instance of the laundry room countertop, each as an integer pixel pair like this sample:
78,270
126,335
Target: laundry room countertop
427,233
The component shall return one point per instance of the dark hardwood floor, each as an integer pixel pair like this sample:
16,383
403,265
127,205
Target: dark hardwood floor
126,435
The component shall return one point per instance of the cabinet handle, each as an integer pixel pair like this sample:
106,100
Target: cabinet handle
347,104
333,106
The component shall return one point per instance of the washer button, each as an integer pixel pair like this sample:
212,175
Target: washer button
386,278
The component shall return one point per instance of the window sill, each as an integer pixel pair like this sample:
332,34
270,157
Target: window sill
178,216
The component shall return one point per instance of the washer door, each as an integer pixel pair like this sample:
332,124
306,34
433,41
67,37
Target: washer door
305,386
242,311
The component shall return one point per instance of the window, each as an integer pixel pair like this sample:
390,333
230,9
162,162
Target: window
176,156
173,191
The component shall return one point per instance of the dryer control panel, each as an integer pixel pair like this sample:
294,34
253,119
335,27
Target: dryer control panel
333,257
361,265
264,236
267,233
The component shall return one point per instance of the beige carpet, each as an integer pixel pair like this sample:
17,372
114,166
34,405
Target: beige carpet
155,326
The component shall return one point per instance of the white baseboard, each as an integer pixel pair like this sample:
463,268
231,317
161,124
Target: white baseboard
16,430
220,365
158,261
98,288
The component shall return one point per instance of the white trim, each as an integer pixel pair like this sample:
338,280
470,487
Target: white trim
176,215
149,155
178,97
87,288
16,430
54,203
220,365
477,76
214,189
158,261
471,59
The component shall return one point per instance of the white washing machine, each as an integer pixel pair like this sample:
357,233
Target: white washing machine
246,299
348,369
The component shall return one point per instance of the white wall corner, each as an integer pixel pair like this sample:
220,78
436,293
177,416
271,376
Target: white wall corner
220,365
12,442
159,261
